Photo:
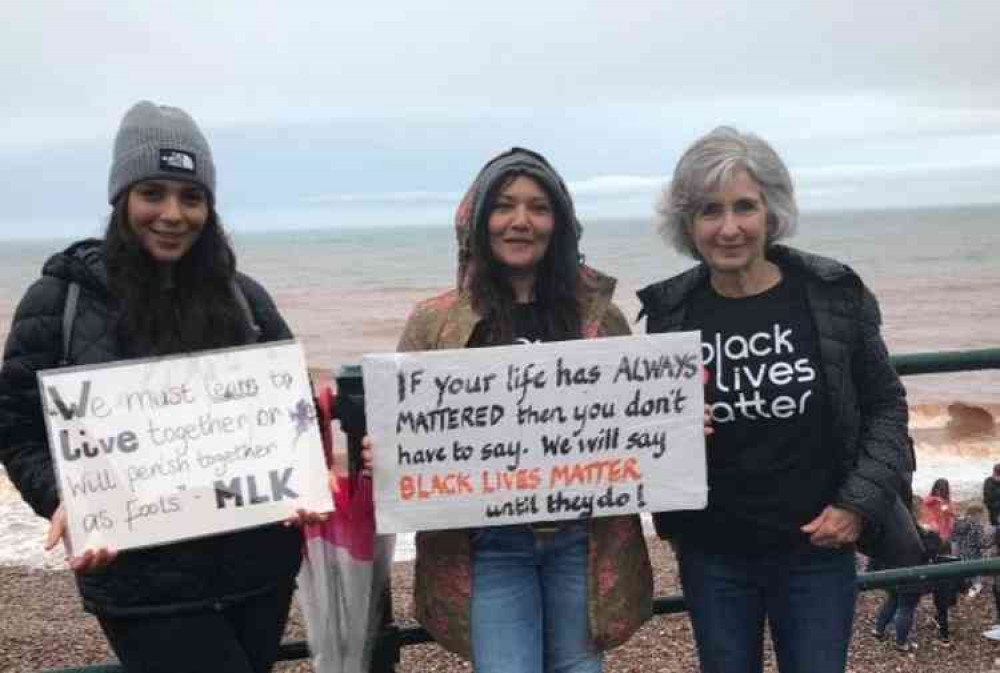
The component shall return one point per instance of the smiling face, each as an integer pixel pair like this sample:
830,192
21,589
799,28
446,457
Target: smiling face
730,229
520,225
167,217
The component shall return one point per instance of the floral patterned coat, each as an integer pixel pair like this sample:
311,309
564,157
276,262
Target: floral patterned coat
620,577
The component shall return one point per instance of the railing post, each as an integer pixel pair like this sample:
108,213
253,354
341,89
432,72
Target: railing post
909,364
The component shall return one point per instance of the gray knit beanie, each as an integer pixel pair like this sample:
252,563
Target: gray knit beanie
156,141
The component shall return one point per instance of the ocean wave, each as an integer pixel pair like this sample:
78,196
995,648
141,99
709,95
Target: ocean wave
22,534
960,420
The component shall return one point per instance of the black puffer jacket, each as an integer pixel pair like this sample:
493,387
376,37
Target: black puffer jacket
189,575
867,401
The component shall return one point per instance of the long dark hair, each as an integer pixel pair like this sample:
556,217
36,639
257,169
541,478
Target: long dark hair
197,313
555,278
941,488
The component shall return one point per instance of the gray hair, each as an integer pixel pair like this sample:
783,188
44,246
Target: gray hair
706,166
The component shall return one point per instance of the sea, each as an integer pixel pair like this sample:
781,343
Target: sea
347,291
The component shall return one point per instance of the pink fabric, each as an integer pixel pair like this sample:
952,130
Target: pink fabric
352,524
938,516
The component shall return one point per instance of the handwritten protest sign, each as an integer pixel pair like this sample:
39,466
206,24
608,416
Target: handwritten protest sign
163,449
496,436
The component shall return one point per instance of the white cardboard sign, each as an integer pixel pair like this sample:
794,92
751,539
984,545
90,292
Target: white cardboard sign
496,436
164,449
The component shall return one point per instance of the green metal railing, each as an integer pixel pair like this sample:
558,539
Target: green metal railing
946,361
393,637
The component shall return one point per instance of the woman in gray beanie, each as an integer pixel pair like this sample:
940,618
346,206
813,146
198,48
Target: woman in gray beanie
162,280
548,596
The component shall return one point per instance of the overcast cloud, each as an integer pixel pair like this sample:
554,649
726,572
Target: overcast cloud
327,114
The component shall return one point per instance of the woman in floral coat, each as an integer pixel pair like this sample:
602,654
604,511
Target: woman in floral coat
531,597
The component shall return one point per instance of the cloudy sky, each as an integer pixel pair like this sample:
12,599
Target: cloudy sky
339,114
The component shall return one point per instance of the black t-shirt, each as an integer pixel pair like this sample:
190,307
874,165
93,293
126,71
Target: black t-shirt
769,469
527,328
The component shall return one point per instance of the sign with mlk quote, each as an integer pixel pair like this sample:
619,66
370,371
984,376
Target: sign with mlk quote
540,432
163,449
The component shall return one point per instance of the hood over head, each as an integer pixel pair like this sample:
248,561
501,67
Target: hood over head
472,209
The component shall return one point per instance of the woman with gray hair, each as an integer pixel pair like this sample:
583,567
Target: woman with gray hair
810,445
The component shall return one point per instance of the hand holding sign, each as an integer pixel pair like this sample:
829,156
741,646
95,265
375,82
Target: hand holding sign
367,456
91,559
304,517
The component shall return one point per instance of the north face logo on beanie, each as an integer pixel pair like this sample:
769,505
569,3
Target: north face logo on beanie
177,160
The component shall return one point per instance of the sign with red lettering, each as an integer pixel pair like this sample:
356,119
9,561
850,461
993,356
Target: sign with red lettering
163,449
537,432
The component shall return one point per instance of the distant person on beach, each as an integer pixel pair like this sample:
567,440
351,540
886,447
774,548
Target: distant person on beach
162,280
900,604
970,542
526,598
995,538
810,448
991,494
938,513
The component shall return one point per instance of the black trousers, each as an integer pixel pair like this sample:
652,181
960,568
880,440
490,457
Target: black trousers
242,638
944,598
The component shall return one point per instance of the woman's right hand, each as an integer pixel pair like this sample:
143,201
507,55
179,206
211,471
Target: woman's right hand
92,559
367,454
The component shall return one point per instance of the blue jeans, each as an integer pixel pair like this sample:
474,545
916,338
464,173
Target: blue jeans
807,597
529,601
898,607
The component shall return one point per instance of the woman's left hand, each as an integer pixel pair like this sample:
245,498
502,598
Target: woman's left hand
304,517
834,527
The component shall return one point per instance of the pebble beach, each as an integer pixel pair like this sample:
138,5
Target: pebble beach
44,628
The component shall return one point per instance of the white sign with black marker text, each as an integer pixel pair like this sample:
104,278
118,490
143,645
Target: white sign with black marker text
544,432
163,449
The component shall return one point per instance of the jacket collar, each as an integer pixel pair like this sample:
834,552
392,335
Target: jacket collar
667,294
594,292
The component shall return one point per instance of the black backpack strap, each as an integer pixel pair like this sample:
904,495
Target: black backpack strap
241,299
69,316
